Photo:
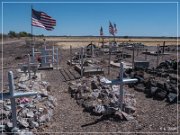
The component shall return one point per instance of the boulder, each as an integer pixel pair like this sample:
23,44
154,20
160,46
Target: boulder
95,94
172,97
139,87
78,96
2,128
49,104
80,102
173,80
85,96
118,115
22,86
4,114
160,85
106,101
127,116
99,109
34,124
94,85
173,88
150,92
110,110
72,89
89,105
52,100
102,95
30,114
23,112
167,86
140,79
160,94
48,88
23,122
25,132
165,75
43,118
129,109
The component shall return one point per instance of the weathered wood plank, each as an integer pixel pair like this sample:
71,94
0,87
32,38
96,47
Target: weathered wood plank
69,74
64,75
74,73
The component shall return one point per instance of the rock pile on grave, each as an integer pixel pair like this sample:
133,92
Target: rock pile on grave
157,84
32,112
100,99
169,64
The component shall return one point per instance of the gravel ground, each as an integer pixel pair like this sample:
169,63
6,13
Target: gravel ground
151,115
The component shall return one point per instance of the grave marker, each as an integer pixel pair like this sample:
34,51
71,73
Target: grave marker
70,55
82,54
29,67
157,61
163,47
29,61
133,57
121,81
146,54
12,95
45,55
110,47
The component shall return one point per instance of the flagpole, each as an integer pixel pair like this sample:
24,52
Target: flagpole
114,38
31,27
114,33
109,63
101,39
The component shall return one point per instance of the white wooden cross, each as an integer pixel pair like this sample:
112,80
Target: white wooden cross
121,81
12,95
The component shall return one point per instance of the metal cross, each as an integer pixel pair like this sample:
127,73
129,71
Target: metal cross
121,81
12,95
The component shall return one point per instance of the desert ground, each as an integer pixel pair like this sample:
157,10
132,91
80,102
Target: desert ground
68,118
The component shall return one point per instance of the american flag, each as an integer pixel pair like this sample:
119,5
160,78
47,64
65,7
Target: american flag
111,29
115,29
41,19
101,31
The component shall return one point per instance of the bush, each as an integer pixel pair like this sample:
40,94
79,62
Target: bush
12,34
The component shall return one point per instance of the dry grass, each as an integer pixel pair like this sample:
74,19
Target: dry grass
66,45
75,42
83,42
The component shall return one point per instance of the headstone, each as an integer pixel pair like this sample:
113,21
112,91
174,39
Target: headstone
141,64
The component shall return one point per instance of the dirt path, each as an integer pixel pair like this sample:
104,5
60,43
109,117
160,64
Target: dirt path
12,41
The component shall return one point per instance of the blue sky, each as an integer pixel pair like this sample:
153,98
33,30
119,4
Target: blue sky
132,19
